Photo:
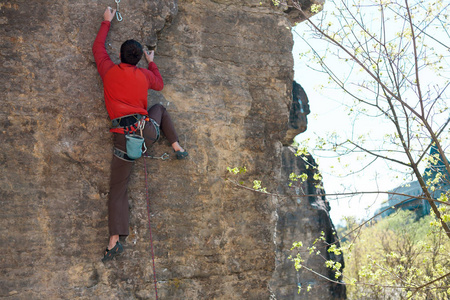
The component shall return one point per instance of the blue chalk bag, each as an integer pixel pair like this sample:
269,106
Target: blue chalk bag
135,143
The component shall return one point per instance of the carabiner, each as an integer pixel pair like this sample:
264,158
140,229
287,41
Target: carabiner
119,16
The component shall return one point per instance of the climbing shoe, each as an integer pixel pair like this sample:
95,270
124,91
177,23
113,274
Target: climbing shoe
111,253
181,154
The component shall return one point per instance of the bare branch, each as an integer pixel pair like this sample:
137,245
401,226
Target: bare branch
380,156
416,63
429,283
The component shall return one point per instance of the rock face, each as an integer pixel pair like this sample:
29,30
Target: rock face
298,113
228,72
306,219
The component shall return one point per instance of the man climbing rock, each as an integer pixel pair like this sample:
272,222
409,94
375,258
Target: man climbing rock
125,90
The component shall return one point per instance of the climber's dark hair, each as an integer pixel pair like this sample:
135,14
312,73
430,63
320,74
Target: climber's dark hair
131,52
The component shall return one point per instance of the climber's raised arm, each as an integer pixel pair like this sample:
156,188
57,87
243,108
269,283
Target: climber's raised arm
102,59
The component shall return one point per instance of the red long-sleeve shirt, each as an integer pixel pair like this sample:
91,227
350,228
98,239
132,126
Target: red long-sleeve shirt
125,86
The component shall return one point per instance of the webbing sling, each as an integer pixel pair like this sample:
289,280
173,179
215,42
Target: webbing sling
122,155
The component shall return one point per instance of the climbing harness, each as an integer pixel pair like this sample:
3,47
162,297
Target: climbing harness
118,14
150,231
135,143
130,123
127,122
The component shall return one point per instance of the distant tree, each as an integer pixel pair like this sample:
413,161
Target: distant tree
395,256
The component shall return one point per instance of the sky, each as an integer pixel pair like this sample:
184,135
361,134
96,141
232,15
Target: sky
329,113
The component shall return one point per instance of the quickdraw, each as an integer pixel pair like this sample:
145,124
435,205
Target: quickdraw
118,14
165,156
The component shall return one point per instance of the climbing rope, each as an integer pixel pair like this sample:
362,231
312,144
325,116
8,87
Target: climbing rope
118,14
150,229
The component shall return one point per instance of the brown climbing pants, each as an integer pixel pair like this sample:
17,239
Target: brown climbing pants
118,208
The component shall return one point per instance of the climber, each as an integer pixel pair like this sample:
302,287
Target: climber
125,90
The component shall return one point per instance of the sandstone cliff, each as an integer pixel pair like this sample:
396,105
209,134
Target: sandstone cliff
228,72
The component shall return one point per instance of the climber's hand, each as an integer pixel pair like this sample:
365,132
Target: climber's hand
109,13
149,55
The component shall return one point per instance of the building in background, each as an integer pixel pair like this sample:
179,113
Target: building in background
408,196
